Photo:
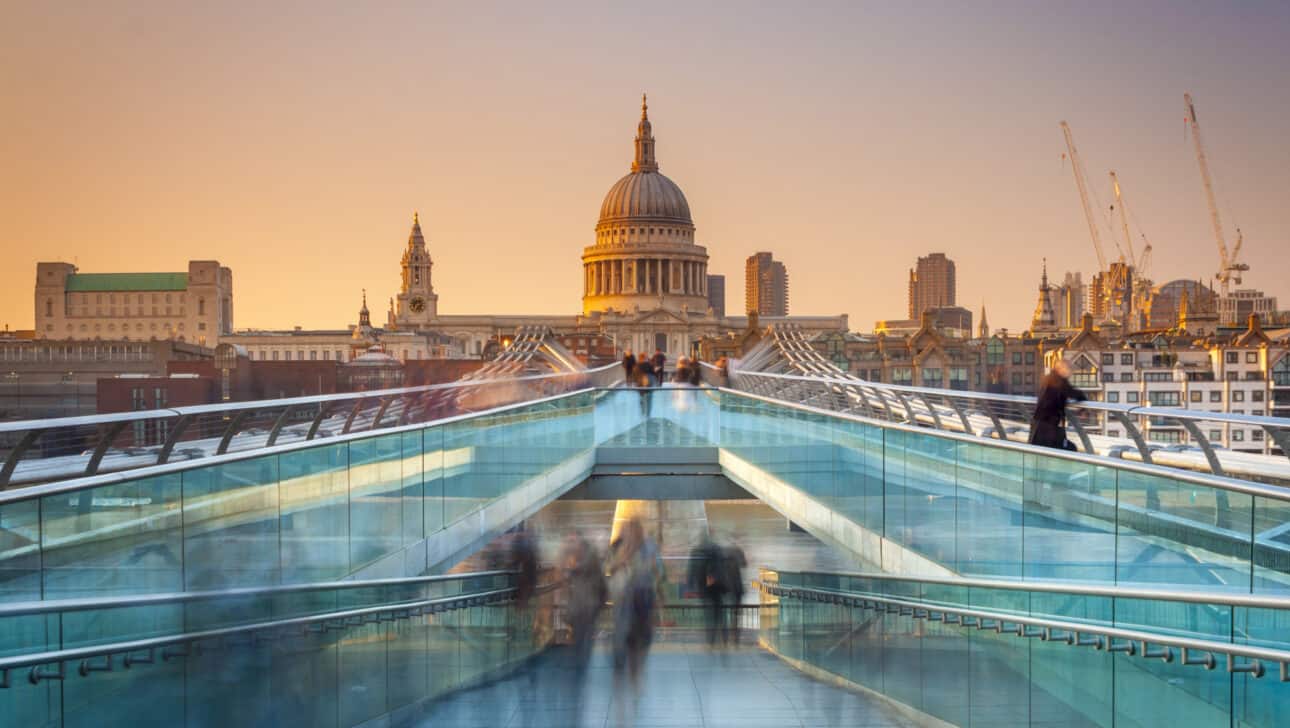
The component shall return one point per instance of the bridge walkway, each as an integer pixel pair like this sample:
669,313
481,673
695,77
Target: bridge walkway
686,685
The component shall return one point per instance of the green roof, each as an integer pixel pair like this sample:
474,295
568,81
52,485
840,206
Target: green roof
80,282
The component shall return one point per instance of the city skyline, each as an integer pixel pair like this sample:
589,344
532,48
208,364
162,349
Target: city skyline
119,166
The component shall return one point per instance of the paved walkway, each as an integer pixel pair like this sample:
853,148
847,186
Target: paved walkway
685,685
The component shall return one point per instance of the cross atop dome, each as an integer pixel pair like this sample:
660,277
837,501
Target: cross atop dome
645,161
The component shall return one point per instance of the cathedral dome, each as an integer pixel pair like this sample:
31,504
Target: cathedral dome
645,194
642,194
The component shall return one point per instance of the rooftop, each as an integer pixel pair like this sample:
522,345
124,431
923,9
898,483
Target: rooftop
88,282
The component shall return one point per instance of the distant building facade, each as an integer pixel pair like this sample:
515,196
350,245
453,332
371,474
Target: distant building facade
1070,301
765,285
1238,305
931,285
717,295
193,306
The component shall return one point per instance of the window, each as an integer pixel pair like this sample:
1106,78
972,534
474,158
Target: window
1215,395
1233,357
1257,435
1163,399
1257,412
994,352
1251,357
1197,395
1164,436
1131,397
1108,376
1016,358
1215,435
1238,395
313,355
201,307
958,378
1281,372
326,356
1126,359
902,375
932,377
1113,433
1238,435
49,307
1108,359
1030,357
1238,411
1112,397
1231,376
1157,376
1256,395
1016,379
275,354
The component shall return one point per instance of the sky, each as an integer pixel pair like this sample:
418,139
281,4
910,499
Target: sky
293,142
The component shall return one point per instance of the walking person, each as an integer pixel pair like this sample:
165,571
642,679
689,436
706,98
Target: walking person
1048,427
629,366
706,579
587,592
660,366
733,562
635,569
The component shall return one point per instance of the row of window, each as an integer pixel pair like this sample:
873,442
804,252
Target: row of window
124,297
1213,436
621,234
76,352
125,310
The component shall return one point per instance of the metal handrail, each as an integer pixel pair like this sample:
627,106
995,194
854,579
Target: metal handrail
1074,634
922,410
1147,410
112,417
83,483
1206,479
385,612
16,609
1054,587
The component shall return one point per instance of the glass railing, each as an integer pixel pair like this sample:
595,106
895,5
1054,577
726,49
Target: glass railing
303,513
1009,510
321,655
993,653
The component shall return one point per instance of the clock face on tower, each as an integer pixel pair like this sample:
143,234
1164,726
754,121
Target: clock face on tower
417,304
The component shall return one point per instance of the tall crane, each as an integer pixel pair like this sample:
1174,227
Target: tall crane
1077,165
1124,219
1229,269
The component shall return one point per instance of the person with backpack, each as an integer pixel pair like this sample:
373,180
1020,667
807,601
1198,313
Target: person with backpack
636,568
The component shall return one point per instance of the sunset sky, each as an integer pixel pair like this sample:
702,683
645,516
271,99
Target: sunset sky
293,143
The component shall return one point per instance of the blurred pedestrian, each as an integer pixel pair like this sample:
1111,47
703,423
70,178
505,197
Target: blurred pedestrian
636,570
629,366
696,373
523,558
660,366
1048,427
733,562
706,578
587,591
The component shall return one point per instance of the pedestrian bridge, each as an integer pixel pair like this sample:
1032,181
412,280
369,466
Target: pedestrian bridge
290,578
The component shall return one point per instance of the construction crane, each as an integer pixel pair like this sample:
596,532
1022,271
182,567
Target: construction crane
1077,166
1229,269
1124,218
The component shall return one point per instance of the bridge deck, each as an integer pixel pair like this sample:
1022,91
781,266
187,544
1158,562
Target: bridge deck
685,685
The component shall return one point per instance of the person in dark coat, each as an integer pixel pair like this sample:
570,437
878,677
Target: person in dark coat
707,579
660,366
1048,427
629,366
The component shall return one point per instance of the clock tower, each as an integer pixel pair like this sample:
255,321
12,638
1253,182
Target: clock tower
417,304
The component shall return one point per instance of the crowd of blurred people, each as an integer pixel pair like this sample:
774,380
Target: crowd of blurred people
644,371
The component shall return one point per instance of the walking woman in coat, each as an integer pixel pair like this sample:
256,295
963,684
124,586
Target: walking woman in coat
1048,428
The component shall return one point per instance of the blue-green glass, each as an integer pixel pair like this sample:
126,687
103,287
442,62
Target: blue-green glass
1182,534
1069,520
315,514
988,530
375,498
113,539
414,491
362,672
147,695
432,464
1261,701
1271,546
20,577
231,515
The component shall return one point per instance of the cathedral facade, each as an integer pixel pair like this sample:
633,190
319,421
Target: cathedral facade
644,287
